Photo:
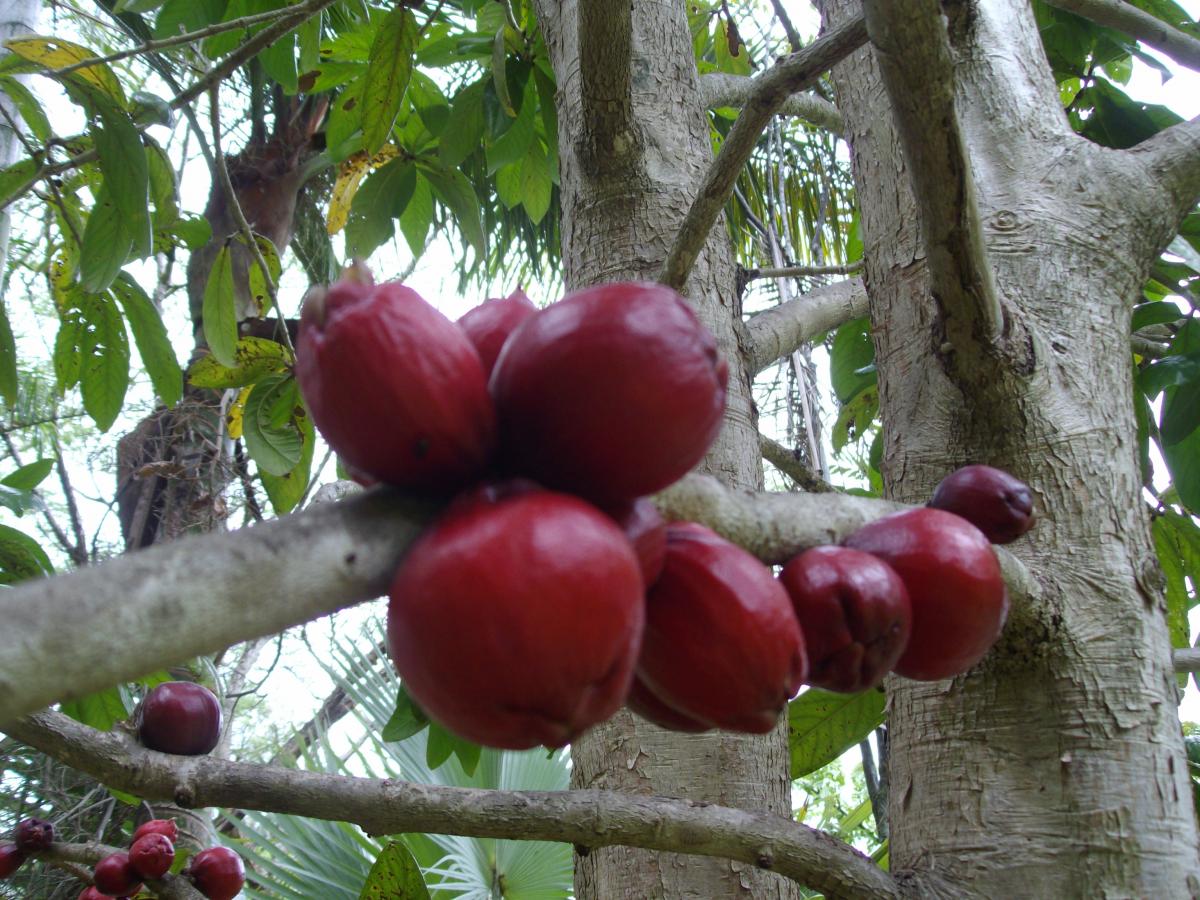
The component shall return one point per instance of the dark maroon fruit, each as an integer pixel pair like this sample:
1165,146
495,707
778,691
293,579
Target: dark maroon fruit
180,717
395,387
490,323
612,393
90,893
166,827
151,855
647,532
218,873
954,584
32,835
11,859
646,704
998,504
854,613
515,620
722,644
115,877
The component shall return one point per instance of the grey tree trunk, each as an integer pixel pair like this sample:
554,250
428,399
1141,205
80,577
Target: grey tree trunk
1056,768
17,17
631,160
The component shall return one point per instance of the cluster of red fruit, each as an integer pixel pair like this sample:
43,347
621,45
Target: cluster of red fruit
217,873
531,611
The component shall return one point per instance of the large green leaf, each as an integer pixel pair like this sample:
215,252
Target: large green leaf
104,371
388,71
463,132
8,358
285,491
220,309
126,172
254,357
29,476
21,557
29,107
150,335
106,246
453,189
269,427
851,355
382,197
395,876
823,725
417,218
101,710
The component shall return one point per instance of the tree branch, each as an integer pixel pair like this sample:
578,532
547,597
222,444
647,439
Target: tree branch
1174,156
1150,30
1187,660
169,887
802,271
778,332
792,74
721,89
786,462
385,806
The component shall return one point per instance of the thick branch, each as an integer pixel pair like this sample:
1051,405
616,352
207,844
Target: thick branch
792,74
721,89
605,62
584,818
917,66
1187,660
778,332
1174,155
1150,30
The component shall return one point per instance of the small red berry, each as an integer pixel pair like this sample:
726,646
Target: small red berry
32,835
217,873
151,855
115,877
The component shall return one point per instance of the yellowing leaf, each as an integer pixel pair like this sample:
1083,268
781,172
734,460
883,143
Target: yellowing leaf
55,53
253,357
350,175
235,415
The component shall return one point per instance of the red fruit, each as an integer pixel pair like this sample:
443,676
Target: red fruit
394,386
180,717
646,704
166,827
217,873
151,855
647,532
32,835
722,645
490,323
90,893
516,619
958,598
115,877
998,504
612,393
10,860
854,613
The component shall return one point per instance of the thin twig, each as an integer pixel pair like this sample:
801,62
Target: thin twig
803,271
80,554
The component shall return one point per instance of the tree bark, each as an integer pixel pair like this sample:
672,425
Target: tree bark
1056,767
618,220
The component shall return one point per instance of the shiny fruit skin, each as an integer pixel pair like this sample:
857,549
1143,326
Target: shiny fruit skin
959,602
218,873
722,644
612,393
115,877
998,504
180,717
395,387
151,855
166,827
646,704
854,613
646,530
516,619
32,835
90,893
490,323
11,859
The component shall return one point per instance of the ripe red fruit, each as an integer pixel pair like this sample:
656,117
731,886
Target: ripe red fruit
958,598
90,893
647,532
166,827
854,613
646,704
217,873
115,877
612,393
179,717
516,619
722,644
151,855
490,323
998,504
11,859
394,386
32,835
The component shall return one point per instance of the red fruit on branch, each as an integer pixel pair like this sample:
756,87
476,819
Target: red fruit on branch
179,717
395,387
151,855
490,323
998,504
32,835
218,873
115,877
646,530
515,620
612,393
854,613
166,827
646,704
722,644
11,859
959,602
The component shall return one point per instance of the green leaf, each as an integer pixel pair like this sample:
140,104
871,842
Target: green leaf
537,184
1180,412
150,335
67,358
823,725
21,557
101,710
1170,553
28,106
388,71
453,189
463,132
258,282
178,16
126,172
104,372
16,500
8,358
279,60
439,746
395,876
852,352
417,218
14,178
407,719
272,437
107,244
29,476
1168,372
429,102
254,357
468,754
500,71
514,143
285,491
382,196
219,311
855,418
